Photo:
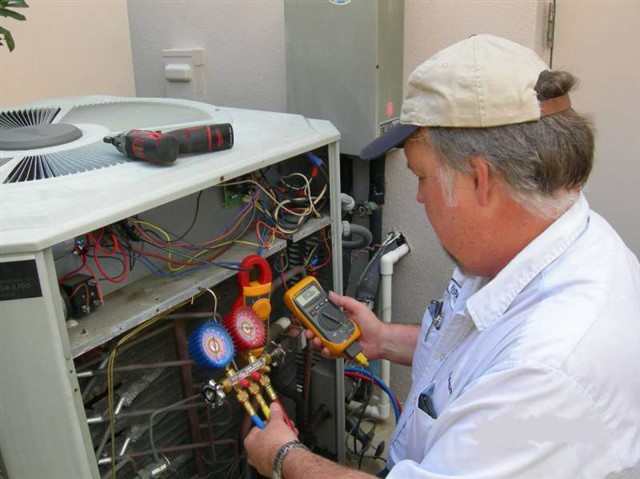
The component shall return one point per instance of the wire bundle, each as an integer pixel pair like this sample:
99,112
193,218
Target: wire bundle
271,211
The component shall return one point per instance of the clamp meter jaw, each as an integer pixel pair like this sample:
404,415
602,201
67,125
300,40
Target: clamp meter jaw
310,304
255,294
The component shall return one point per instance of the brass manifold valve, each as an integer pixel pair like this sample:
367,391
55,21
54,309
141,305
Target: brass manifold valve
248,383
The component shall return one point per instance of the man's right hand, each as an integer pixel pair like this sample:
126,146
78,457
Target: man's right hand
378,340
371,328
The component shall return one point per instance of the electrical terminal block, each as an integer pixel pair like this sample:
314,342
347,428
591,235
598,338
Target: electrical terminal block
80,295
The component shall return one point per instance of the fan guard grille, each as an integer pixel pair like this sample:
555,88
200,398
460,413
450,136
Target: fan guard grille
86,158
19,118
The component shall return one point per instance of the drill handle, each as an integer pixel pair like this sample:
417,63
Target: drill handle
204,139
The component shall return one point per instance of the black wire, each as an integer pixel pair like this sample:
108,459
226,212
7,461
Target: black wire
193,221
126,244
369,394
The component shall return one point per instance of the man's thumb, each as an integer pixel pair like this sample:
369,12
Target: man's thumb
275,411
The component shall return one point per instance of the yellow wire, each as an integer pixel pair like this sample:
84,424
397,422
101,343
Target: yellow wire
174,268
110,376
163,232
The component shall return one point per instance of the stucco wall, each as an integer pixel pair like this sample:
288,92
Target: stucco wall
600,43
243,46
67,48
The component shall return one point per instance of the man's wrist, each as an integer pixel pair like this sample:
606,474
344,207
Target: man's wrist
285,449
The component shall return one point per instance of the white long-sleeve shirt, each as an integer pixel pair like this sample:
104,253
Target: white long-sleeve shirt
536,373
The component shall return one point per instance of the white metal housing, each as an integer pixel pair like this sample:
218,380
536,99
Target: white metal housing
43,430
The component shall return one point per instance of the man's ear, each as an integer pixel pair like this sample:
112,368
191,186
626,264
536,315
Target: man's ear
483,180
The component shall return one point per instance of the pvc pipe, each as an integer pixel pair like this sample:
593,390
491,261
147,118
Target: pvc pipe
382,409
386,271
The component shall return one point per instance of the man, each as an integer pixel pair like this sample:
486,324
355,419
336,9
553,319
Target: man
530,364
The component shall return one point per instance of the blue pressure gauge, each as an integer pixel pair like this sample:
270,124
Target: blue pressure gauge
211,346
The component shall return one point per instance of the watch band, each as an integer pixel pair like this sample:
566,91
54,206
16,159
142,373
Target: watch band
276,473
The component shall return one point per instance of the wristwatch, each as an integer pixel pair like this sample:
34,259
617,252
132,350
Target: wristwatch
276,473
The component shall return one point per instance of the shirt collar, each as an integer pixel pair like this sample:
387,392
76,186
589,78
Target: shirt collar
491,301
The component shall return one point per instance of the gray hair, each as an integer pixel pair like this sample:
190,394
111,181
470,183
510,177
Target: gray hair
542,164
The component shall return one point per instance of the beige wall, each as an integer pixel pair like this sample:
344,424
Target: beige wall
67,48
600,43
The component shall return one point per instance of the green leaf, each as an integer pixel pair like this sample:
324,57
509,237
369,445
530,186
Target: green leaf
9,39
9,13
14,3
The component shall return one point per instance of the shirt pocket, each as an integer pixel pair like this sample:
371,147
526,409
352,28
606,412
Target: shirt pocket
422,423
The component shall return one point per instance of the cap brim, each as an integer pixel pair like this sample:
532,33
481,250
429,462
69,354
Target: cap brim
392,138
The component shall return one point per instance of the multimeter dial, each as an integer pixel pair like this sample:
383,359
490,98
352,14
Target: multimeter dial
310,303
327,318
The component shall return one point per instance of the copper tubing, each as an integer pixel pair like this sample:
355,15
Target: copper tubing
181,447
134,367
186,379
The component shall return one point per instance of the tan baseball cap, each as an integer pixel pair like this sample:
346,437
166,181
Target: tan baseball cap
480,82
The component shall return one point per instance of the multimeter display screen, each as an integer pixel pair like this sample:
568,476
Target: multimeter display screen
308,295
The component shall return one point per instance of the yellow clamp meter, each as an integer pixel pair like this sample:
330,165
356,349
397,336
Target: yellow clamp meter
310,303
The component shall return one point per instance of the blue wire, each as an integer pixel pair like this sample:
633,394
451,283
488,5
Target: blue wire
158,272
257,421
314,159
382,385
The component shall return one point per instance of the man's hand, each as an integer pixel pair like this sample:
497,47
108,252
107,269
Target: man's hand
263,444
395,342
370,326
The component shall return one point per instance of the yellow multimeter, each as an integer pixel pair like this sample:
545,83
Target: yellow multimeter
310,303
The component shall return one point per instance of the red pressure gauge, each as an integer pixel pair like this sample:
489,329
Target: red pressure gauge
246,328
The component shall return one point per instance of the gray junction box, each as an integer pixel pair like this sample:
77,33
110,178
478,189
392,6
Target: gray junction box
344,64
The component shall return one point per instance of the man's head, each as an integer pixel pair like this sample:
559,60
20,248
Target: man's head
491,98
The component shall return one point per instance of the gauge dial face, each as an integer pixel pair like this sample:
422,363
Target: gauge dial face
215,345
246,328
211,346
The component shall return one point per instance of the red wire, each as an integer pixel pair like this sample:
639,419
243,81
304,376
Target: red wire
370,379
117,247
79,268
285,416
97,242
325,240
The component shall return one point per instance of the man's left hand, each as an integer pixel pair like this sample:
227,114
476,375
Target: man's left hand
263,444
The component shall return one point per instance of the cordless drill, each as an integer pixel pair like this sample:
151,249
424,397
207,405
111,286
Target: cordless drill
164,148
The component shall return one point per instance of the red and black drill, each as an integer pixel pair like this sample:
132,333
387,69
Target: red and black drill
164,148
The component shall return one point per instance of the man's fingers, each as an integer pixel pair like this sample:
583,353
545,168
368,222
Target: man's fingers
275,412
335,298
345,302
